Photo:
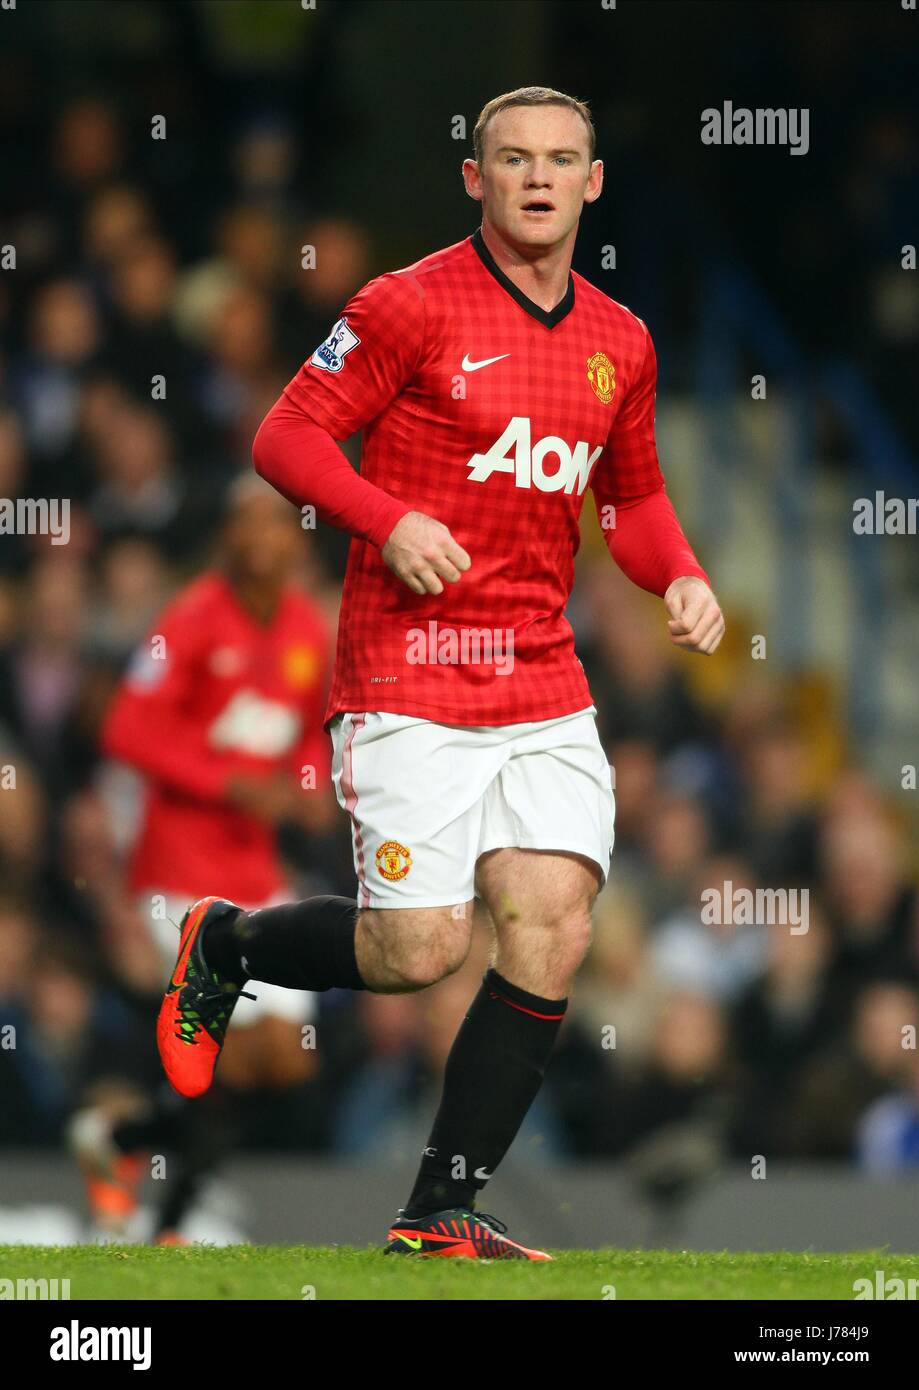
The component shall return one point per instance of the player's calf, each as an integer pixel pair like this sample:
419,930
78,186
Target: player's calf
329,943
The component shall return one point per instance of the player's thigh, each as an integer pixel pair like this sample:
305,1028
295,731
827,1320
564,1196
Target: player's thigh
545,889
540,905
266,1042
272,1054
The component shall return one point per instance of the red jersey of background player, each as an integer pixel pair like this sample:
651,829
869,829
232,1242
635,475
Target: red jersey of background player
494,416
219,695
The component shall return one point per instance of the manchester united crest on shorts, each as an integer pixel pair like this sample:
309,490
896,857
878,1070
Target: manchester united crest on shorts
393,860
602,376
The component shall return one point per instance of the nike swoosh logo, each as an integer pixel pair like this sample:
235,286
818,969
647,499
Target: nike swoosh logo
413,1241
469,366
184,951
482,1174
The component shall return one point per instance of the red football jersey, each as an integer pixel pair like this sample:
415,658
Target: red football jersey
493,416
212,693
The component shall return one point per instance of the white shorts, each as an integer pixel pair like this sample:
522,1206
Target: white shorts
164,911
427,800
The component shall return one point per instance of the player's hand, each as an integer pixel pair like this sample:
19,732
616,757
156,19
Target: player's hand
695,623
423,554
270,799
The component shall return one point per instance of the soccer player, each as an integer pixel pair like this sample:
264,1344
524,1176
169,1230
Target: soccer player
493,387
221,711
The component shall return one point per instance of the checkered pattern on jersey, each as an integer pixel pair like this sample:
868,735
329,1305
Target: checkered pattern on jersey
563,393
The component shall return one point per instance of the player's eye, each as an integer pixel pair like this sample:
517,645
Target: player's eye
562,159
512,157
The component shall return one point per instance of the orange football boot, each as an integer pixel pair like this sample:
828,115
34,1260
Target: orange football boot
197,1006
171,1238
113,1178
458,1232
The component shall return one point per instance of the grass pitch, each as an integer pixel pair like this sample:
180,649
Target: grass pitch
295,1272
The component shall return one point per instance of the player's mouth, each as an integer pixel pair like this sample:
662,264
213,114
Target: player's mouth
538,207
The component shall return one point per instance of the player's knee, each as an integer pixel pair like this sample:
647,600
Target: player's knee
575,935
419,946
418,971
433,957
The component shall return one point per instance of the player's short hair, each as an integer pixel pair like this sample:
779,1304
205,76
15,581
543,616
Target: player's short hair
242,489
530,96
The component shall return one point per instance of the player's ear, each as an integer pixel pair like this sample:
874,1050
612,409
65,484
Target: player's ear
594,182
472,179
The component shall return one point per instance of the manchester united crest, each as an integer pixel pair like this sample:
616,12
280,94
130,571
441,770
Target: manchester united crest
300,665
393,860
602,376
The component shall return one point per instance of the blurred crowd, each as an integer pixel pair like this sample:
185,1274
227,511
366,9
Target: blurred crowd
138,358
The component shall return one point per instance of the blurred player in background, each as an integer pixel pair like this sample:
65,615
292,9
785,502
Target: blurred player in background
493,386
221,711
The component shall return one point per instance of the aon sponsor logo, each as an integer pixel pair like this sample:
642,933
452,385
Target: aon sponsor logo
550,464
251,723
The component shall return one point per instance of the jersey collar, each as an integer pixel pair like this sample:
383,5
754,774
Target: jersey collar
547,317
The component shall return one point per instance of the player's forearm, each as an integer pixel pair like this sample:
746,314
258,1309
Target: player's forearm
305,464
648,544
159,747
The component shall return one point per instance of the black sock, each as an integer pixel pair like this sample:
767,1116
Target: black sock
493,1073
306,945
195,1136
159,1127
211,1130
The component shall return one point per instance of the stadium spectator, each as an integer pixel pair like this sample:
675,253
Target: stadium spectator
839,1086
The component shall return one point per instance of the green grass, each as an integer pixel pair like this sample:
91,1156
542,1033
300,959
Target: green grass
344,1272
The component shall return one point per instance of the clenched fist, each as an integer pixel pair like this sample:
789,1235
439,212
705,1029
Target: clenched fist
422,553
695,623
